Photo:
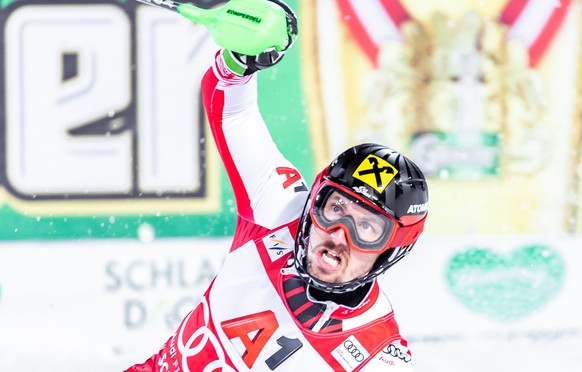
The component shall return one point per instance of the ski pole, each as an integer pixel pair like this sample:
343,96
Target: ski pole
244,26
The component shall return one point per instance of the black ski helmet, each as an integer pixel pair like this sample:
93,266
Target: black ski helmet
381,177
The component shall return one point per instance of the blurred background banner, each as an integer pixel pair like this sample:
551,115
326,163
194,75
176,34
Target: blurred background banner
497,303
103,131
115,211
483,95
102,307
96,307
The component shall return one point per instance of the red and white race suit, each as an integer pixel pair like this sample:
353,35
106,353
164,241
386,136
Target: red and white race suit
256,315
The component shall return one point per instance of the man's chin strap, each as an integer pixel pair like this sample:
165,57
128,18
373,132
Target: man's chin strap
349,299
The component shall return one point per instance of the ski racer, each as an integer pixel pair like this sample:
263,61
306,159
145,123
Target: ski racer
298,289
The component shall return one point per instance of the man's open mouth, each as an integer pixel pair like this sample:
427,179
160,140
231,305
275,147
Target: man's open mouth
331,258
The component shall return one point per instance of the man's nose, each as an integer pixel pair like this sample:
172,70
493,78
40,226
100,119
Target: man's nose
338,235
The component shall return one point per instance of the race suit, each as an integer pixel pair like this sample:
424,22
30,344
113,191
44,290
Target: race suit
257,314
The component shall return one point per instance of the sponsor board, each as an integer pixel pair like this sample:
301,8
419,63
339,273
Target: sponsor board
490,285
118,302
102,123
514,296
472,92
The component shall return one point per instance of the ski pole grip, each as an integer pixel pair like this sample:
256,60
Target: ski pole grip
244,26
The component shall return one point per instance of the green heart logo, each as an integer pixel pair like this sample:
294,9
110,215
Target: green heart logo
505,287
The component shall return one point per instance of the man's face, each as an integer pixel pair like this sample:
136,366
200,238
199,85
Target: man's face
330,257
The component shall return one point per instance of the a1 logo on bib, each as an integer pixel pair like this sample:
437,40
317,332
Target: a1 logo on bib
375,172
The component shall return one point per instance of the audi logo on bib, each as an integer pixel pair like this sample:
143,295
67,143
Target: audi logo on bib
350,353
354,351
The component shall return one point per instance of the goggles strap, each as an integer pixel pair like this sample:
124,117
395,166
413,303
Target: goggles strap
406,235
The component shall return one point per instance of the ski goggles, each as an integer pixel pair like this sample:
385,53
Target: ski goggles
366,226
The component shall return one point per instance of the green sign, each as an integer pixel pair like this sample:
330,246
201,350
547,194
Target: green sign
457,155
506,287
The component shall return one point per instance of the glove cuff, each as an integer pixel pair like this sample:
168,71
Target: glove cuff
235,65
